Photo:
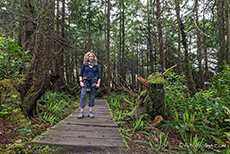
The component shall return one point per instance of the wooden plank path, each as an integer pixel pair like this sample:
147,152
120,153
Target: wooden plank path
97,132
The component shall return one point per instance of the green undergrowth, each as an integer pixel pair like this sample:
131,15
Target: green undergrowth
197,124
51,108
14,62
137,131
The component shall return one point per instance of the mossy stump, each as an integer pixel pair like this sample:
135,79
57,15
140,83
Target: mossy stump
156,94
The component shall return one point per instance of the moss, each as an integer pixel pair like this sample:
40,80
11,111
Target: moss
156,104
155,78
11,100
16,148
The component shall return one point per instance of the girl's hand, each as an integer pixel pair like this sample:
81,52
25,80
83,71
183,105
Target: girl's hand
97,85
82,84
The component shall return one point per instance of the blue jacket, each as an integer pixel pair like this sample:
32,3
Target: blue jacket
90,72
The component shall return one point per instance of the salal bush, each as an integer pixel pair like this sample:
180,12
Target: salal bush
14,62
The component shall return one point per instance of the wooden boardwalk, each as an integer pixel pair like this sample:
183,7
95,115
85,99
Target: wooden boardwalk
99,132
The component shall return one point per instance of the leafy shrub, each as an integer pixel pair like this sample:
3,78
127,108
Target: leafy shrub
207,112
13,61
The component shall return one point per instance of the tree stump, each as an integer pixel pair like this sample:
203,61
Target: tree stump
151,100
155,105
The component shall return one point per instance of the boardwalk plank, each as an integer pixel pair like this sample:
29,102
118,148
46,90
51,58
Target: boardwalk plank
83,142
100,131
85,134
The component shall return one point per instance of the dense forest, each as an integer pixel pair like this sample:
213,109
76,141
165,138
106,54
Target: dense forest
42,45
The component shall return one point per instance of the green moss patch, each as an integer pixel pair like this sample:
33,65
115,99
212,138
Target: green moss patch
155,78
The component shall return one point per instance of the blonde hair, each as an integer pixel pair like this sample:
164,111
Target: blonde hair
86,58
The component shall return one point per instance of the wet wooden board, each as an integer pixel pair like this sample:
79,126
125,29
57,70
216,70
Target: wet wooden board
100,131
83,142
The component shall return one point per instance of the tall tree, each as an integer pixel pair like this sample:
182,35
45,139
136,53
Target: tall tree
207,74
150,44
160,37
37,80
189,76
108,49
120,39
221,55
61,55
57,83
20,25
177,2
132,64
199,51
227,12
123,41
30,25
89,22
13,19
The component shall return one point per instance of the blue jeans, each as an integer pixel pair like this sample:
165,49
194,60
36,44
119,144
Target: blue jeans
91,96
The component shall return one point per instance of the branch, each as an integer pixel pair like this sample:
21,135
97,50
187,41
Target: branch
169,69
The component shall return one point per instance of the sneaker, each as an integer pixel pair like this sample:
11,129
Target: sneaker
90,114
81,115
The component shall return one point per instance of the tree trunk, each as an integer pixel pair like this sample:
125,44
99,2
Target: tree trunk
151,101
108,50
35,83
13,19
199,51
30,26
89,22
123,42
61,56
105,32
120,43
133,70
142,65
207,74
76,65
221,55
160,37
68,54
115,64
137,63
156,94
179,36
57,53
227,5
150,44
20,27
191,84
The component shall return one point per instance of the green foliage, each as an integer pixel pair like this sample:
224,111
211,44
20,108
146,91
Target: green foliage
138,124
54,106
199,119
13,61
133,125
155,78
160,142
4,111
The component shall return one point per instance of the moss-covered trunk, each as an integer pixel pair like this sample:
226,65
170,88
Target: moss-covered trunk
156,104
10,104
156,95
42,62
152,100
34,84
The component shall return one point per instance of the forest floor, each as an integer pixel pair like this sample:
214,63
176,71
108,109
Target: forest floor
9,135
14,140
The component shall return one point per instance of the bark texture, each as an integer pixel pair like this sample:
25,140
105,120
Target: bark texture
35,83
